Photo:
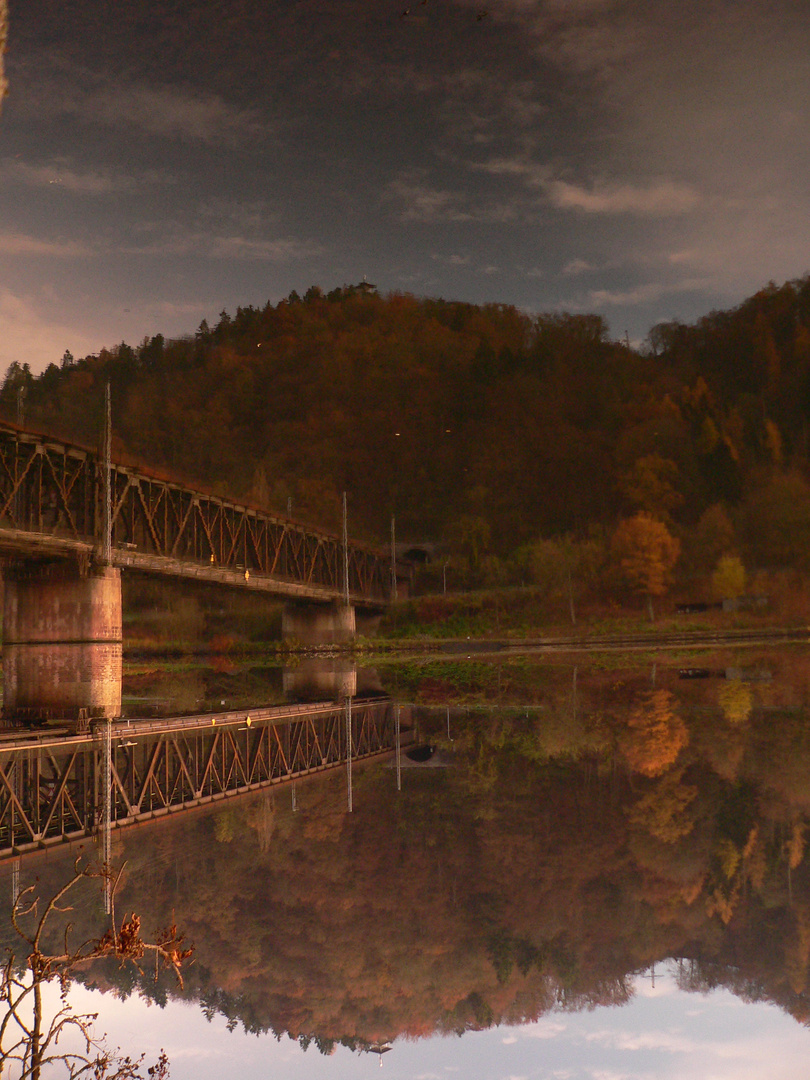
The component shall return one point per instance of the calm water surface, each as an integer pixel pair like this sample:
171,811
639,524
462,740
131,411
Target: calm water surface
596,869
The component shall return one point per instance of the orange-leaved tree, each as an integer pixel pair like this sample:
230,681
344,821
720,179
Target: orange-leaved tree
654,735
646,553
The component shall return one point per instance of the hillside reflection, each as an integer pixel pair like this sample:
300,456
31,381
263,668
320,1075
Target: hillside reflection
586,823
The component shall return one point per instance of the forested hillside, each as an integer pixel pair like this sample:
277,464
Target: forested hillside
478,426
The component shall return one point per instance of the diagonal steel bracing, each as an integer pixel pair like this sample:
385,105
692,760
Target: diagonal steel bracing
51,498
51,787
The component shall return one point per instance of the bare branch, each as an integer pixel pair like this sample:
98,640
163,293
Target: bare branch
32,1042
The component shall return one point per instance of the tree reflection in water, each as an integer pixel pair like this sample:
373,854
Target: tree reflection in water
589,826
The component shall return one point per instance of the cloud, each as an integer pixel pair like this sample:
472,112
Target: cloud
19,244
575,267
610,1074
533,174
643,294
165,110
431,205
479,105
171,240
665,1041
61,175
660,199
286,249
173,112
243,215
451,260
584,37
543,1029
425,204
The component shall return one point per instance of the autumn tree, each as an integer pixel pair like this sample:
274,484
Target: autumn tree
712,537
652,484
565,565
736,701
665,809
645,553
654,734
728,579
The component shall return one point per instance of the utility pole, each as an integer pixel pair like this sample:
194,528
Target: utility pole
393,557
15,880
345,553
106,520
398,747
349,754
106,823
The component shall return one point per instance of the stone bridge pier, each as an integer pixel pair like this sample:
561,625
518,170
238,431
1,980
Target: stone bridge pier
62,642
318,624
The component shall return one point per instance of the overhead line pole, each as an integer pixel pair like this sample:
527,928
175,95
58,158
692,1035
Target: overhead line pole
345,553
393,557
106,523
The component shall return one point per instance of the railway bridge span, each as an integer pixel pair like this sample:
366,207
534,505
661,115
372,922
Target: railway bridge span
72,520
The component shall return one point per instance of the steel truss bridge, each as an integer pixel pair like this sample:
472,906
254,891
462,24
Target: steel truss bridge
53,504
59,788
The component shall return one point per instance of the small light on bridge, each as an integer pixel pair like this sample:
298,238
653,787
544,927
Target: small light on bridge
248,721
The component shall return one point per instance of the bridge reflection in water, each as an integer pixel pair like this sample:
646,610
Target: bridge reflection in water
57,787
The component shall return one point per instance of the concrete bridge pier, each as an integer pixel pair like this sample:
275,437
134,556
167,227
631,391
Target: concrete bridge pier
320,679
318,624
324,678
62,642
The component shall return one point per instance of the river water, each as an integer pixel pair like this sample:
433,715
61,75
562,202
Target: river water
586,866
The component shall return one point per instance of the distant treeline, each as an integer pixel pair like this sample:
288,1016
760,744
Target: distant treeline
477,426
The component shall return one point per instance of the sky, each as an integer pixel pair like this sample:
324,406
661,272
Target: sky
163,160
663,1034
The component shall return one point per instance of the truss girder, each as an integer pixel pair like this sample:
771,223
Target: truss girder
52,793
56,490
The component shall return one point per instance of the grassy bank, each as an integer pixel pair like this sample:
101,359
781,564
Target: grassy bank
530,614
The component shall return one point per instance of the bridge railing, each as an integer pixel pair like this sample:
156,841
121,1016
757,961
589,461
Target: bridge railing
55,490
